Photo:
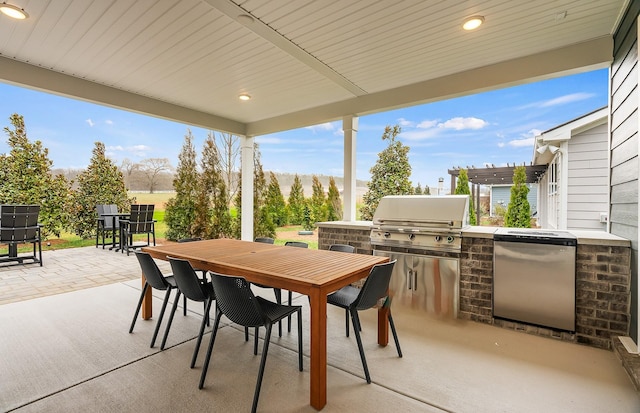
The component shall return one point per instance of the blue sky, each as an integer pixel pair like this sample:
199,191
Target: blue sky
494,127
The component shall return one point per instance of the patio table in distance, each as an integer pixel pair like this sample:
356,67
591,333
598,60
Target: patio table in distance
315,273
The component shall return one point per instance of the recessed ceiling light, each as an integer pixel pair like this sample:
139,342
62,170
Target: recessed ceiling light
473,22
13,11
244,96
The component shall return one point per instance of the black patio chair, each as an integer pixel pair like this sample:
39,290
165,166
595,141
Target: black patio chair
140,222
155,279
19,225
372,292
348,249
107,224
236,301
194,289
204,272
276,291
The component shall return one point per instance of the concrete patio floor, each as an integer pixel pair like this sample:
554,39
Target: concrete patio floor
65,347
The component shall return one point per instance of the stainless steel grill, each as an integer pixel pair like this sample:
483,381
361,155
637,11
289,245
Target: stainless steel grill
420,222
424,234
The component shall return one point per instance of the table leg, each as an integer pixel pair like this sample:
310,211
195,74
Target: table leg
318,372
147,304
383,325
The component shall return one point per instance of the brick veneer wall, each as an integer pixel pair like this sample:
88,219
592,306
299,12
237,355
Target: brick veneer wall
603,290
357,237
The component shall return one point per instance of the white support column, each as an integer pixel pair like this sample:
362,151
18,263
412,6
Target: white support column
350,128
246,224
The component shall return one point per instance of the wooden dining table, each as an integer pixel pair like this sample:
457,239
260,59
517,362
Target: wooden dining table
315,273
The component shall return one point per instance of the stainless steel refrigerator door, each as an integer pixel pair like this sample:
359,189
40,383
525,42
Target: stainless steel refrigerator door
535,283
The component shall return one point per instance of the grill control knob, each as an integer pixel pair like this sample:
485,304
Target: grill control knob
412,236
438,238
449,239
387,234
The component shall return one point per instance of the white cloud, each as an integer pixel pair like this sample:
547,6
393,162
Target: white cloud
108,122
419,134
426,124
532,133
501,144
405,123
562,100
114,148
520,143
460,123
90,122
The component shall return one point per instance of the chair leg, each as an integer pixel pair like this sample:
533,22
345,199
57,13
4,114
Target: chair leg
346,320
289,318
395,334
164,307
168,327
356,330
205,318
246,334
278,294
205,366
135,315
184,305
300,339
255,341
263,362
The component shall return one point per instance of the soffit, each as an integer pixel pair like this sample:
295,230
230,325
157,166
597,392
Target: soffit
302,61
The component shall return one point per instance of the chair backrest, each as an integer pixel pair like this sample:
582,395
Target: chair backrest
236,300
19,223
151,271
375,287
187,279
141,218
108,222
264,240
342,248
298,244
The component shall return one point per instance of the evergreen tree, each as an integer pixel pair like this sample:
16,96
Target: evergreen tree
101,183
390,174
334,203
519,211
307,222
296,202
180,211
426,190
275,205
25,178
212,207
462,188
262,224
318,201
417,190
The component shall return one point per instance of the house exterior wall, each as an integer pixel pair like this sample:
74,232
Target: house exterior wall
549,204
588,180
624,145
501,195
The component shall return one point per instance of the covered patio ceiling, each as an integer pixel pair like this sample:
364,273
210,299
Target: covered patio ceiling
302,62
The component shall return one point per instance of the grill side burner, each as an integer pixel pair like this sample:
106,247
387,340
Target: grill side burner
424,233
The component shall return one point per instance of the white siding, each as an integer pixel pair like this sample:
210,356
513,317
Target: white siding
588,180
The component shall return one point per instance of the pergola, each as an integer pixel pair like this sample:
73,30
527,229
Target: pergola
492,175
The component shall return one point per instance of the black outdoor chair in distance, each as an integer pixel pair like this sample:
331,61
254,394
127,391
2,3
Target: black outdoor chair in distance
348,249
236,301
354,299
155,279
194,289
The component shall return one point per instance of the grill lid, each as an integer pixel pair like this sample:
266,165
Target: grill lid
446,211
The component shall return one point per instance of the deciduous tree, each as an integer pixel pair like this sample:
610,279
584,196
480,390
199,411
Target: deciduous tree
390,175
152,168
